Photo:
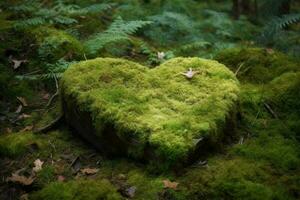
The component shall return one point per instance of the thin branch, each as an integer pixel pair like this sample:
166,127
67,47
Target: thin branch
239,68
55,94
50,126
271,111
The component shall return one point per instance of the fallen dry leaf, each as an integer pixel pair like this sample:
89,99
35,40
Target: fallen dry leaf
19,109
24,197
23,116
130,192
61,178
76,164
8,130
169,184
46,96
89,171
18,63
16,178
37,165
27,128
23,101
270,51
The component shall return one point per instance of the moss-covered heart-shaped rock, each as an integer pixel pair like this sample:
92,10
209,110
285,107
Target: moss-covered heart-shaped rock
158,114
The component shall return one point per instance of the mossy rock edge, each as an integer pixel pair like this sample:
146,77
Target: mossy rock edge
124,108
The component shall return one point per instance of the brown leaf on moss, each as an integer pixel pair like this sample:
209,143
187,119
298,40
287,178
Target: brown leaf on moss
169,184
38,164
8,130
24,197
46,96
23,116
23,101
23,180
18,63
27,128
89,171
270,51
19,109
61,178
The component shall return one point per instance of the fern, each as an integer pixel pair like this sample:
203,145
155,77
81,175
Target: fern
55,69
276,25
279,23
119,30
169,26
35,14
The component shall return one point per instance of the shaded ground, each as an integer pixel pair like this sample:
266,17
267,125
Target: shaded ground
263,163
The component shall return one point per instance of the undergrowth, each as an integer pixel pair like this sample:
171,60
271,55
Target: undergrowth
46,37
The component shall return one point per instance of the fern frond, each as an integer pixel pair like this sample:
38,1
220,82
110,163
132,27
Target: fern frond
31,22
277,24
34,14
119,30
97,8
26,7
55,69
75,10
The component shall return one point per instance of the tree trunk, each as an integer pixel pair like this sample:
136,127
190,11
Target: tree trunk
246,7
236,9
285,8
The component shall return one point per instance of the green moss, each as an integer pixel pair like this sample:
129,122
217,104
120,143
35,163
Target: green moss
55,44
77,190
60,141
281,153
45,176
11,87
231,179
147,187
284,92
257,65
159,106
16,144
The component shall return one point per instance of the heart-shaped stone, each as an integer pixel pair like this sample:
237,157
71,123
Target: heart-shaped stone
158,114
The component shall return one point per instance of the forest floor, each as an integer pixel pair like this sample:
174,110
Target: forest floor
263,162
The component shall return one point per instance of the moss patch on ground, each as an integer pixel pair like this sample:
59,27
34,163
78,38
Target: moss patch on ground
157,107
17,144
79,190
257,65
55,44
264,164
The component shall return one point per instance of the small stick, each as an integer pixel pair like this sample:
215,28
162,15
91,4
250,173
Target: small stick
30,73
238,69
55,94
50,126
84,56
273,113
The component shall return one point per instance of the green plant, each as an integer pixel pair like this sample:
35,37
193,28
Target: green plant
276,25
52,71
168,26
35,13
118,31
78,190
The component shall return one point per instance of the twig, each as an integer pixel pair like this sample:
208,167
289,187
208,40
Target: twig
30,73
241,140
74,160
238,69
50,126
273,113
55,94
